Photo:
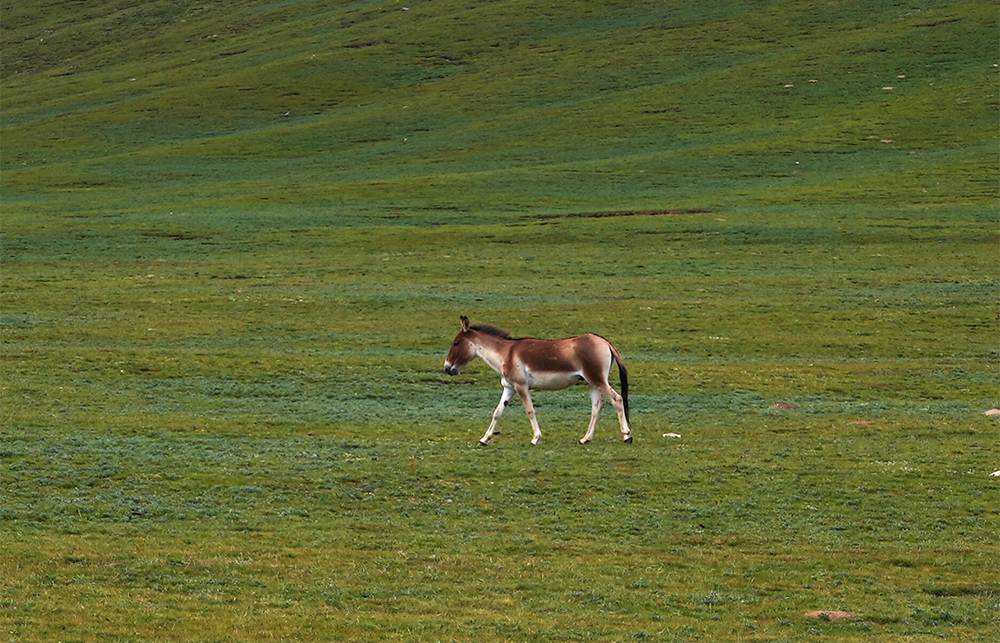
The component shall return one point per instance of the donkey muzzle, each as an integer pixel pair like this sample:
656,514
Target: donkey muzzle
450,370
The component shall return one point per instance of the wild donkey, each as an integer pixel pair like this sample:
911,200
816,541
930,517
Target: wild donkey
546,365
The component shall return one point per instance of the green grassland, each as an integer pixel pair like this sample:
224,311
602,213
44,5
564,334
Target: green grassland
237,237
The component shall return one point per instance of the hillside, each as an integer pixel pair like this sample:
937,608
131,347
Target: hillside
237,237
438,110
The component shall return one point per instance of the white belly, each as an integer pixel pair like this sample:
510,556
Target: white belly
543,381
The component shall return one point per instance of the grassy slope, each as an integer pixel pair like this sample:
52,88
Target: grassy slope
237,237
364,108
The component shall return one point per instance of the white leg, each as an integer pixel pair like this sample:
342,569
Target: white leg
596,402
619,405
529,408
508,395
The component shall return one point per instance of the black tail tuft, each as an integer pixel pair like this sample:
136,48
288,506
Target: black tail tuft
623,374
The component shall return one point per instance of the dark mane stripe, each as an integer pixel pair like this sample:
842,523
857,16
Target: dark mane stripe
492,330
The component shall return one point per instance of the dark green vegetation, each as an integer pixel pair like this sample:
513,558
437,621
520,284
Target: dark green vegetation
237,238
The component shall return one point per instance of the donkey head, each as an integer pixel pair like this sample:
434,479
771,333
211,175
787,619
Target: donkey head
462,350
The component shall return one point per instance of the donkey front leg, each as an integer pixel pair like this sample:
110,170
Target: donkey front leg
508,395
596,403
529,408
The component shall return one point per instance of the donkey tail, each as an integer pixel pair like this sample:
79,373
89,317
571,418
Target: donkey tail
623,375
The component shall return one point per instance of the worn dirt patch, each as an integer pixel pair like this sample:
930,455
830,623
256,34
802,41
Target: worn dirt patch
830,615
621,213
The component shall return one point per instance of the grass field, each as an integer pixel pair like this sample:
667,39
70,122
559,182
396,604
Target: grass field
237,238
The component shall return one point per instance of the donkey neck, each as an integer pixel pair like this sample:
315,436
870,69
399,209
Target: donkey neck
493,350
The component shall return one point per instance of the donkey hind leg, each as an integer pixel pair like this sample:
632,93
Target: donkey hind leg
529,408
508,395
596,402
619,404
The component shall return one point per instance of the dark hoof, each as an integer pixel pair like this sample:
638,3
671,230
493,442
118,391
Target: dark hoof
628,440
484,444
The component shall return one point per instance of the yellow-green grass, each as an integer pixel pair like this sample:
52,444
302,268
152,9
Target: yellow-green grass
229,284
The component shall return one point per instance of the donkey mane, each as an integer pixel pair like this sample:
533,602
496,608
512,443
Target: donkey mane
489,329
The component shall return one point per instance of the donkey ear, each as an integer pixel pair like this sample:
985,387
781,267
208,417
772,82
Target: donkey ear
465,322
